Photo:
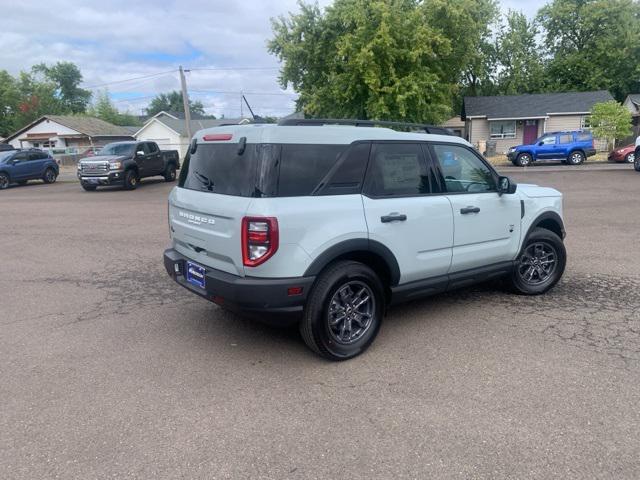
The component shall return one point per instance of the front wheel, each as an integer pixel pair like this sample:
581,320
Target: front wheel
49,176
170,173
630,157
636,162
524,160
540,264
575,158
130,180
344,311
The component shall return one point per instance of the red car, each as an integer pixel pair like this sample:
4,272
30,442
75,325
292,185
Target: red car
623,154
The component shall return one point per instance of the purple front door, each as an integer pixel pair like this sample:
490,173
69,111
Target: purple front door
530,132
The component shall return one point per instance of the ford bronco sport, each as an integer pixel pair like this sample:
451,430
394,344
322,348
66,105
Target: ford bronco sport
328,226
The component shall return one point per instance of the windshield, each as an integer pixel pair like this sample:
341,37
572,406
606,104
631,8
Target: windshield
117,149
6,155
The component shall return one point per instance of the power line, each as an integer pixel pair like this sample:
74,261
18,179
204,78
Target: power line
223,92
132,79
230,68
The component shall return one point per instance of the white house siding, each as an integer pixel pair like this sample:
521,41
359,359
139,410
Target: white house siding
46,126
166,138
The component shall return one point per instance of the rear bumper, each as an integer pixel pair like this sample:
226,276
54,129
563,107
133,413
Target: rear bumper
590,152
266,299
111,178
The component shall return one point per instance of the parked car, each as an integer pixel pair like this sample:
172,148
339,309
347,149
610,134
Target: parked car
5,147
571,147
327,226
20,166
623,154
125,163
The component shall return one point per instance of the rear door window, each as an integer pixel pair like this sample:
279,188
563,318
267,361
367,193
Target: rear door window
302,167
566,138
397,169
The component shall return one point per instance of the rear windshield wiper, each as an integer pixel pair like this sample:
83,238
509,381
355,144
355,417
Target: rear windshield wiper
206,181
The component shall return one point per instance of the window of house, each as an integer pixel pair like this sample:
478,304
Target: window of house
502,129
585,122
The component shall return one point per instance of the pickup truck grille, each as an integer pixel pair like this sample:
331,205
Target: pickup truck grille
94,168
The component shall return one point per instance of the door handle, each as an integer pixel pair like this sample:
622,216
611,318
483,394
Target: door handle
393,217
467,210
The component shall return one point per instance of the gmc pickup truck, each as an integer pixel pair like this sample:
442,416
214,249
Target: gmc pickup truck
125,163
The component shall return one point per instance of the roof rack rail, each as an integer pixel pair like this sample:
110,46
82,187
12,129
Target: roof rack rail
364,123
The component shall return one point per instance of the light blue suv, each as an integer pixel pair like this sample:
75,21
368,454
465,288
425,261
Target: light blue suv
20,166
570,147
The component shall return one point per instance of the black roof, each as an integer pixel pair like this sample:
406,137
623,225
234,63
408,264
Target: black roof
532,105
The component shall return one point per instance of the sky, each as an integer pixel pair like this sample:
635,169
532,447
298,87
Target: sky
222,43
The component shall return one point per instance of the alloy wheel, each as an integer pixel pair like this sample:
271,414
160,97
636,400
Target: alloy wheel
351,312
575,158
537,263
4,182
631,157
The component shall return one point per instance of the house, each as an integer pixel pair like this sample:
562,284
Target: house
520,119
170,132
456,125
632,102
68,133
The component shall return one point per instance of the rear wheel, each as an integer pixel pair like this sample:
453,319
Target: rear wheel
540,264
344,311
524,160
49,175
130,180
575,158
170,173
89,188
4,181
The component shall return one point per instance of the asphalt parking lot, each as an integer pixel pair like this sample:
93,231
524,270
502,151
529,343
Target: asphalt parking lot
109,370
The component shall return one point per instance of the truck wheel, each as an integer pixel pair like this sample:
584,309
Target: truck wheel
540,264
89,188
170,173
344,311
49,176
575,158
524,160
4,181
130,180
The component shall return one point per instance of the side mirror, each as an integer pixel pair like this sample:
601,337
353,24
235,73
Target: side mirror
505,185
140,153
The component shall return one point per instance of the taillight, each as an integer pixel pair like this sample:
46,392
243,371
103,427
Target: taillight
259,240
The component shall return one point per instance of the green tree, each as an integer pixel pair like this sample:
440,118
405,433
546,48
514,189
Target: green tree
610,121
172,102
104,109
376,59
9,101
66,77
518,55
593,44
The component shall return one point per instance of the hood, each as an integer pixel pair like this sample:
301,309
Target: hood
536,191
103,158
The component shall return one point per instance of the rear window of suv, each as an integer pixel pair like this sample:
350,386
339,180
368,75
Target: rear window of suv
262,170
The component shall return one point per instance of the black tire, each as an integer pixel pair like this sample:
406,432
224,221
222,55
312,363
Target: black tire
22,182
636,162
343,283
575,158
524,160
4,181
630,158
131,180
89,188
49,176
534,273
170,173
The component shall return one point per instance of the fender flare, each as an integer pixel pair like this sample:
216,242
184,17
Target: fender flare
553,216
352,246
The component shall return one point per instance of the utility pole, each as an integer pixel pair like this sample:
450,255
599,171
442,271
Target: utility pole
185,101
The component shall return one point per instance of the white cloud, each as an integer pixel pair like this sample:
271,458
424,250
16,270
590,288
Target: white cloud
120,39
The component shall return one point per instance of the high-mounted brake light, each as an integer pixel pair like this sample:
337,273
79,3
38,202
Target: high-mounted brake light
217,137
259,240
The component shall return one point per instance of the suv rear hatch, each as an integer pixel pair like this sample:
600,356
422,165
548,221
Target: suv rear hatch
216,186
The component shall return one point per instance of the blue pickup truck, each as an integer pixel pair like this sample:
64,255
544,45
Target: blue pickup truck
571,147
20,166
